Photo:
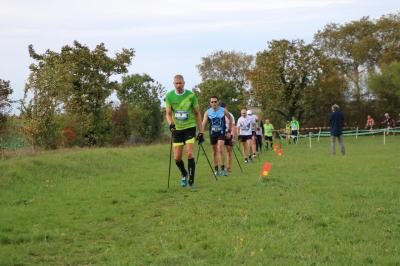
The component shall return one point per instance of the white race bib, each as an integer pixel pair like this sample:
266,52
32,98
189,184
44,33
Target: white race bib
181,115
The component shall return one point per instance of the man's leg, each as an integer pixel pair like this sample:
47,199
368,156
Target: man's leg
191,163
253,144
333,145
178,148
341,143
249,144
244,150
220,145
294,135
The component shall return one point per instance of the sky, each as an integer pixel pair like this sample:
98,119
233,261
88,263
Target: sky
168,36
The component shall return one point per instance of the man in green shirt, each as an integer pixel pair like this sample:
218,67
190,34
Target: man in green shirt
183,114
295,126
268,132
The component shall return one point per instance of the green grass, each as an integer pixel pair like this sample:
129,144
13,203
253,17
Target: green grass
111,207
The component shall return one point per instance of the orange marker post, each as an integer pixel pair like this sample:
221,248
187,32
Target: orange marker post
265,169
280,152
275,147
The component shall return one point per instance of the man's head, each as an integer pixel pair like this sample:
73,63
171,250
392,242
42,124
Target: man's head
293,118
214,101
179,82
368,117
386,114
335,108
249,112
243,112
267,121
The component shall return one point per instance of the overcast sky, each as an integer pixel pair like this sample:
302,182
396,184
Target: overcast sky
168,36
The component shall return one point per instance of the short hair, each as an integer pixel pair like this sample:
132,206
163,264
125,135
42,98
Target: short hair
215,97
335,107
179,76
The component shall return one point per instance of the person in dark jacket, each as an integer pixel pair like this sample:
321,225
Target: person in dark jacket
336,122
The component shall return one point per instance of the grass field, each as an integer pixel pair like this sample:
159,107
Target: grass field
111,207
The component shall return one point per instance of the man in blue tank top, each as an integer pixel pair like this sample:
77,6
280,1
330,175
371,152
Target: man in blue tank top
215,116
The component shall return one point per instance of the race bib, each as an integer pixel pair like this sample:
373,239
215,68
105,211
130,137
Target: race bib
181,115
216,129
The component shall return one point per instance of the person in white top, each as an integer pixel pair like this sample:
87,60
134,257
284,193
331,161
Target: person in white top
229,137
254,120
244,131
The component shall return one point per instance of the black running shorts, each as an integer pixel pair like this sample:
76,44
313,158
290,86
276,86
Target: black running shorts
215,137
244,138
181,137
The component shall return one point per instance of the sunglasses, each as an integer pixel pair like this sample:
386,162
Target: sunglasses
213,101
177,82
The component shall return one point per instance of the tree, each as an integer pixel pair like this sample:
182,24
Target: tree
5,105
77,81
386,86
361,47
228,66
228,91
142,93
40,102
388,36
227,72
5,101
282,74
121,124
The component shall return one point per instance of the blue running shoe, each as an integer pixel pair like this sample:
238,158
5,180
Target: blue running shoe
216,172
183,182
224,173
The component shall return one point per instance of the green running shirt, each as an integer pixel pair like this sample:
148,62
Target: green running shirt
182,108
268,130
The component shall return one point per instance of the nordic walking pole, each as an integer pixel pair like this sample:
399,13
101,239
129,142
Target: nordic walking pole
198,153
201,145
170,157
237,160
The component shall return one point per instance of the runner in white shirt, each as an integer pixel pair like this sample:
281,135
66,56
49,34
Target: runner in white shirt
244,130
253,145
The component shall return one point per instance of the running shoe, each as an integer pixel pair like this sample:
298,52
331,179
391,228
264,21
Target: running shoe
183,181
191,183
224,173
216,172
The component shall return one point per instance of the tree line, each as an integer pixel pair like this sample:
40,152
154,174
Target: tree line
67,95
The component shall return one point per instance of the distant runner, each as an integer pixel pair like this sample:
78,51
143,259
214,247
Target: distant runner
268,132
244,131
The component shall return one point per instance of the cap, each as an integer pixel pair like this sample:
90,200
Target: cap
249,112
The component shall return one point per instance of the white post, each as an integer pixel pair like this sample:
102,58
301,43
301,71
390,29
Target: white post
309,137
384,136
319,134
357,133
